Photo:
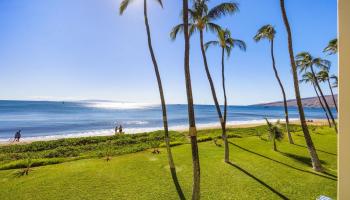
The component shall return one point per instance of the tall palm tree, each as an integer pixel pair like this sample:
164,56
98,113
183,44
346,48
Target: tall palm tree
305,61
191,118
124,4
202,19
323,76
226,42
307,77
332,47
316,164
268,32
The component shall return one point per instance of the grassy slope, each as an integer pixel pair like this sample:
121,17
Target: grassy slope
257,173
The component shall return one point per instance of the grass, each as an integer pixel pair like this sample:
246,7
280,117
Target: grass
256,171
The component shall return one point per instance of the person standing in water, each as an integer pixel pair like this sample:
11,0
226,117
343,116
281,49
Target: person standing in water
116,130
120,129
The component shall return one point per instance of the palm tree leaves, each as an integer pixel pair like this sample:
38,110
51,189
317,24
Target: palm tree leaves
125,3
332,47
308,77
223,9
211,43
180,28
265,32
304,61
275,131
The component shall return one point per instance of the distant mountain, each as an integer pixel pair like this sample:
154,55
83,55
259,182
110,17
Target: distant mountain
307,102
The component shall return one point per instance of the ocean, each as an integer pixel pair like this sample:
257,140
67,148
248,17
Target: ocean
40,120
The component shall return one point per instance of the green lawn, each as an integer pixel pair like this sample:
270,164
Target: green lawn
256,172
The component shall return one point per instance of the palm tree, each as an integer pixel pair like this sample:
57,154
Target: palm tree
124,4
335,78
226,42
201,19
323,76
332,47
275,132
307,77
191,118
305,61
316,164
268,32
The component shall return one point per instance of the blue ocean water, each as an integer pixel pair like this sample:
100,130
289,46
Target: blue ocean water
50,119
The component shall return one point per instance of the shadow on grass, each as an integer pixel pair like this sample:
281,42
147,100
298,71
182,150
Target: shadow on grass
334,154
301,159
258,180
334,178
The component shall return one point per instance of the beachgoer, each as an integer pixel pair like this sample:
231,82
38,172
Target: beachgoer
17,136
116,130
120,129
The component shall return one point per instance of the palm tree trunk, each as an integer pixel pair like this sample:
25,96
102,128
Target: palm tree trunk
191,118
324,109
227,152
274,144
212,88
316,164
330,88
290,139
324,100
164,112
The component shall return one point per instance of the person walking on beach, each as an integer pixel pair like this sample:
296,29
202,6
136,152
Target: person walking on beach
120,129
17,136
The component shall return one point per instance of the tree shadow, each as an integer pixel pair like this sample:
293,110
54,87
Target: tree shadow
334,154
258,180
301,159
177,184
333,177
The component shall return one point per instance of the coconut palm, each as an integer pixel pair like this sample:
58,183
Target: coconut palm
323,76
226,43
275,132
305,61
332,47
335,78
268,32
123,5
316,164
202,19
191,118
307,77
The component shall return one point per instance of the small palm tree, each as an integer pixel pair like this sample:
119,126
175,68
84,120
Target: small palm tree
316,164
335,78
202,19
332,47
305,61
275,132
307,77
268,32
124,4
323,76
226,42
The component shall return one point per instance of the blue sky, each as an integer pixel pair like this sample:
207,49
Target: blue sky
82,49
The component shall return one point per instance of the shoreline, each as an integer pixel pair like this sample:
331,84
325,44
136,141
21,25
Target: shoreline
247,124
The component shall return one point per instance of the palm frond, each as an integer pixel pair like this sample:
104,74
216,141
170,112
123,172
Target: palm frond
123,5
223,9
265,32
213,27
322,63
160,3
211,43
176,29
332,47
240,44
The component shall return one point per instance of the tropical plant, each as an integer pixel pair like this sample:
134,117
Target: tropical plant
332,47
316,164
226,43
323,76
275,132
307,77
124,4
305,61
335,83
268,32
202,19
191,118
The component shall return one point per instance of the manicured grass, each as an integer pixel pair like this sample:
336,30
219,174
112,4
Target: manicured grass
256,172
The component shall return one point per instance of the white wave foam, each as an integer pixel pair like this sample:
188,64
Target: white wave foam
118,105
136,122
107,132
